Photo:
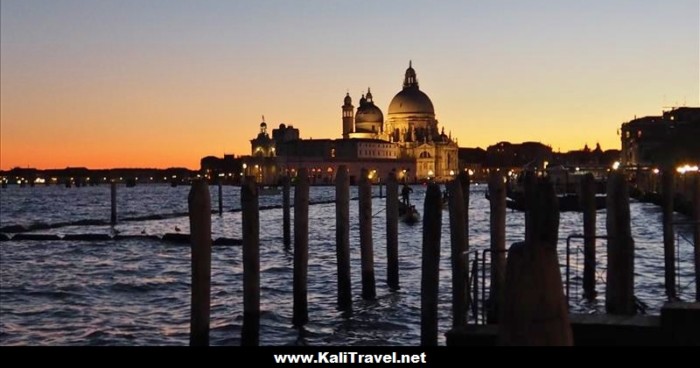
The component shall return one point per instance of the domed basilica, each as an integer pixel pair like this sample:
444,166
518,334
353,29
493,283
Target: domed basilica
410,124
409,143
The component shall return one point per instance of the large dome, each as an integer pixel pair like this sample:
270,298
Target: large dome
411,100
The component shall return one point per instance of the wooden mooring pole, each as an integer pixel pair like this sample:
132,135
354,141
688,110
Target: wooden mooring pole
392,231
301,249
459,246
667,192
534,311
251,262
497,217
696,232
113,197
366,247
430,268
286,218
199,203
588,205
619,291
342,237
221,198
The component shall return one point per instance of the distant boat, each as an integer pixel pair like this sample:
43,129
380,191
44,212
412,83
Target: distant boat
567,202
269,191
408,214
564,183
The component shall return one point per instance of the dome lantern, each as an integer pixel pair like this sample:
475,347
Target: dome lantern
410,80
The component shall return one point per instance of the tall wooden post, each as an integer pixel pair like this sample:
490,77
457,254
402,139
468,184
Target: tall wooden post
366,247
696,232
221,198
250,217
497,196
301,248
342,237
113,197
199,204
392,231
588,205
430,268
667,191
458,241
534,311
286,221
465,181
619,292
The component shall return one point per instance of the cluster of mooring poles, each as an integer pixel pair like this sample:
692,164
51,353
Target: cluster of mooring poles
527,297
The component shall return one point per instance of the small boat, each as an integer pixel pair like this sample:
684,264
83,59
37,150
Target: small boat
565,182
408,214
269,191
567,203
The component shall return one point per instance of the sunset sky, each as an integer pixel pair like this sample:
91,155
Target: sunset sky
151,83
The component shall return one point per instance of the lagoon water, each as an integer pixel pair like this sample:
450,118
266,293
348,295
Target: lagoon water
136,291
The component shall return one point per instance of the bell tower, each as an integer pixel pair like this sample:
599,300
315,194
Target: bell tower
348,116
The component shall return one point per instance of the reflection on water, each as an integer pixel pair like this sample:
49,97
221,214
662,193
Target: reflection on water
136,292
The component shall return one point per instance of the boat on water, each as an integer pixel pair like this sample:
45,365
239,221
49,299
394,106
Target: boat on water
408,214
567,202
566,182
269,191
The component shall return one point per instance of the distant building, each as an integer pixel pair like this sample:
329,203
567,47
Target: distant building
515,156
82,176
322,157
472,160
669,139
588,158
228,168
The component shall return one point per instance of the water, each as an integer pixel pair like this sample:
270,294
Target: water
136,292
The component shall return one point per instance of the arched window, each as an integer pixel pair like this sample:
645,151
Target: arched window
424,154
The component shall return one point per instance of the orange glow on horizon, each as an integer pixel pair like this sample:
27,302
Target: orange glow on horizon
166,127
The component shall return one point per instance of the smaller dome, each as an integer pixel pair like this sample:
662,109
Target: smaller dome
369,113
263,125
282,126
347,100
